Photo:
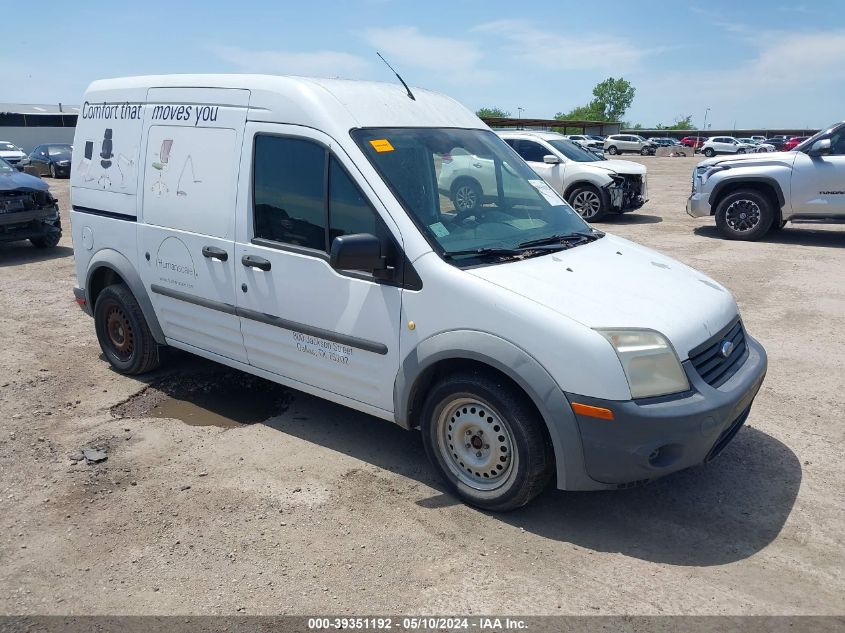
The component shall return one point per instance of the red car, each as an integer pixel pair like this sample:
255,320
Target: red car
794,142
693,141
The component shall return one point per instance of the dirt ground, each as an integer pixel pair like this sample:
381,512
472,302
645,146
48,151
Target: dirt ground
320,509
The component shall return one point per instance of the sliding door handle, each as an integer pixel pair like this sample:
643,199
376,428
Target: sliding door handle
253,261
213,252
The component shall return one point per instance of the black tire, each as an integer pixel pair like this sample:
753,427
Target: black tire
123,333
709,152
50,240
519,460
645,151
740,151
777,226
53,171
745,214
466,195
582,198
612,150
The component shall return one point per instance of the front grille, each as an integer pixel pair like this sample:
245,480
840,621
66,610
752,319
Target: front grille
710,362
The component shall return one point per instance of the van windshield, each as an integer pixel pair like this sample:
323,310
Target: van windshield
469,193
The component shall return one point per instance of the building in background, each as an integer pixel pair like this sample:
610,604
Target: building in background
28,125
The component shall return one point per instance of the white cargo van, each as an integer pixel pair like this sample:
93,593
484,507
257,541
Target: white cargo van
293,228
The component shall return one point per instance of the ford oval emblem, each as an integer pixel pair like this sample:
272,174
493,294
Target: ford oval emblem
726,348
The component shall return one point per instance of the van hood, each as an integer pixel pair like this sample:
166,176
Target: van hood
614,283
754,159
626,167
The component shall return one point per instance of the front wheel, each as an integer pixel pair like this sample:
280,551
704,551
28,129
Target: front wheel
588,202
123,333
52,170
746,214
486,440
645,151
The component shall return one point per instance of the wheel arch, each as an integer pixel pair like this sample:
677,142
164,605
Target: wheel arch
446,352
764,184
107,267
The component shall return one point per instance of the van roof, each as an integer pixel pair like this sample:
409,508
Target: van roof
325,104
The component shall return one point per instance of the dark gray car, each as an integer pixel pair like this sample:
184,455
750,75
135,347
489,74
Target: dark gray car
27,209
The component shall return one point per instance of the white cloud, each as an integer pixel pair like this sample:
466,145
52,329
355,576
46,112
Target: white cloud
556,51
316,63
455,59
795,77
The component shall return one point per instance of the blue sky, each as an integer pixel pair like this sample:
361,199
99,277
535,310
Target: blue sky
753,63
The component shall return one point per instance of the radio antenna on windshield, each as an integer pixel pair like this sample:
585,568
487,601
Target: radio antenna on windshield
410,94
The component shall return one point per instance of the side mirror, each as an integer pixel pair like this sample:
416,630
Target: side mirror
820,147
551,159
360,251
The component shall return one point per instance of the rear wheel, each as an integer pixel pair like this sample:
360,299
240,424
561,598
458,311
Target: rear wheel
709,152
486,440
466,195
746,214
588,202
123,333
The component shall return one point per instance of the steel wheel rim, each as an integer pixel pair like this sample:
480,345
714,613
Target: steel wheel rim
476,443
743,215
587,204
465,198
119,332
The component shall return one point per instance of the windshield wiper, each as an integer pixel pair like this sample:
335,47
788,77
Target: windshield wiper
573,238
521,251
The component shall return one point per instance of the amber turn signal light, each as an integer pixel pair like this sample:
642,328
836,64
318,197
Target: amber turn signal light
592,412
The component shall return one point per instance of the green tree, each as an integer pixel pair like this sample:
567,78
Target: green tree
613,97
487,113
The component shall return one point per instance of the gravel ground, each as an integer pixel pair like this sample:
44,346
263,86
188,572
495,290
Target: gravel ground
321,509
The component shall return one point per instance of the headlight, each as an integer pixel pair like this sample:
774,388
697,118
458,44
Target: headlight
706,171
649,361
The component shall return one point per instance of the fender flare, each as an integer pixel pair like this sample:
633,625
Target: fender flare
520,367
117,262
740,179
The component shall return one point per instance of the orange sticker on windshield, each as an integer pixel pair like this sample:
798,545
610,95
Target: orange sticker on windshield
381,145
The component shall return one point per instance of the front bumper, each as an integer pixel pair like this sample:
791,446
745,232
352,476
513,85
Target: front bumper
654,437
698,205
23,225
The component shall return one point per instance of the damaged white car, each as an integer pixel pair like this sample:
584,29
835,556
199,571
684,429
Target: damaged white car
593,186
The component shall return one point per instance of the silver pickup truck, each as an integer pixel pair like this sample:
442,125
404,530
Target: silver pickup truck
751,194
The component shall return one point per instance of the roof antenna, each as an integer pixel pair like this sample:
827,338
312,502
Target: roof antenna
410,94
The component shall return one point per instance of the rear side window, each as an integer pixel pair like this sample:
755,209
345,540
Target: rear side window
288,191
531,151
301,190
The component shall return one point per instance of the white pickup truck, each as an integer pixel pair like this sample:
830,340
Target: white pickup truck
751,194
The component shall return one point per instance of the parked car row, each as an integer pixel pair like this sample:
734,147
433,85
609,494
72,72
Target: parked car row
49,159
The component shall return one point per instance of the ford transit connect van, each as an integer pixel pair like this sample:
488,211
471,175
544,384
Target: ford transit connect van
293,228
